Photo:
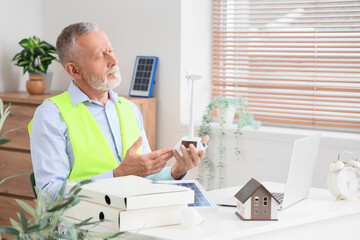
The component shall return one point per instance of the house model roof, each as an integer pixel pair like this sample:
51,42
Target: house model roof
250,187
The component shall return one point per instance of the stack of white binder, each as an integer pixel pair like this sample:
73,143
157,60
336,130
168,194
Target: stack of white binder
130,203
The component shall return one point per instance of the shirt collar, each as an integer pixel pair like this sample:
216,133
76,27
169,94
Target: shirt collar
77,96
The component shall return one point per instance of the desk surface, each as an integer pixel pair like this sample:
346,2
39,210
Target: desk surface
319,213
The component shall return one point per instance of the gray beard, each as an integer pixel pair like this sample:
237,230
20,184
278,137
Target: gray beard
100,85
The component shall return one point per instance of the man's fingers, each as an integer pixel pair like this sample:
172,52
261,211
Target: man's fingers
159,160
167,156
194,153
202,154
205,138
158,153
186,155
135,146
176,155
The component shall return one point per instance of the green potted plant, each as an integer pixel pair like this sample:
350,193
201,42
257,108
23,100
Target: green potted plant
47,220
208,168
35,59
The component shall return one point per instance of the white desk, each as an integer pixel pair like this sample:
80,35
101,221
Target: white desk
318,217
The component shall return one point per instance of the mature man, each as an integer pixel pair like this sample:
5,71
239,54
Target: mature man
88,132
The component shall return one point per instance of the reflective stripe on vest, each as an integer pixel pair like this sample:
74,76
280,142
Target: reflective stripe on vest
92,153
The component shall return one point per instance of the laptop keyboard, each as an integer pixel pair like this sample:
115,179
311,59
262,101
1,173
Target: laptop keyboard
278,196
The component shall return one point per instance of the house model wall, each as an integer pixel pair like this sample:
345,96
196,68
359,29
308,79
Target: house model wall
255,202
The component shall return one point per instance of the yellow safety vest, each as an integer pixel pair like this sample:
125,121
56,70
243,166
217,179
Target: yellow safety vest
92,153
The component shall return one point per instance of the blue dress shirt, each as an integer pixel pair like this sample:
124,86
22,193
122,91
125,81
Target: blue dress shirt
51,150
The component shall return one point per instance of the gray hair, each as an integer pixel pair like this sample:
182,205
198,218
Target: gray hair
66,46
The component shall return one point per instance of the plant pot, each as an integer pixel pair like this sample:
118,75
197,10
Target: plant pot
36,85
228,114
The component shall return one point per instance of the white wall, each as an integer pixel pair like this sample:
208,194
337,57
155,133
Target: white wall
18,19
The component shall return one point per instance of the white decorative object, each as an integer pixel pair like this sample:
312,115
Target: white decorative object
190,217
187,140
344,178
192,78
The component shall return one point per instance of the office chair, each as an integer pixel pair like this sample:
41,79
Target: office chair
33,184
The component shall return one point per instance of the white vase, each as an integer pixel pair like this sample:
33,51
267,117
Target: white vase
228,115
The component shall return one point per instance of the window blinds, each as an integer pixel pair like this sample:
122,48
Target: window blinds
297,62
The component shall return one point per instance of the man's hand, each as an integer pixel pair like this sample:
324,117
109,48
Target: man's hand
142,165
190,159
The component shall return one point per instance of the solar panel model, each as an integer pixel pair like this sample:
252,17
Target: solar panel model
202,201
143,76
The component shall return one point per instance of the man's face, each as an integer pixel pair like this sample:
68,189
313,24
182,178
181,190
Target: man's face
98,63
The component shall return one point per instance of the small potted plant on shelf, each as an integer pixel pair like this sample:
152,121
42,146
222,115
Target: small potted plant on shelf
209,168
35,59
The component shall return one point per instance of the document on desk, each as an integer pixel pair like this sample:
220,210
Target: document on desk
132,192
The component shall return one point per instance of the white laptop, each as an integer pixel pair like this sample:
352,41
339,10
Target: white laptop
301,170
300,174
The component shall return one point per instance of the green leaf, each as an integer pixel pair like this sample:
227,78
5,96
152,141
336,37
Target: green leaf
31,43
61,206
31,68
47,58
41,67
7,131
26,207
105,235
24,43
44,45
77,191
62,189
40,202
17,56
37,40
15,224
48,45
4,141
23,221
9,230
34,228
43,223
25,69
23,63
42,51
83,223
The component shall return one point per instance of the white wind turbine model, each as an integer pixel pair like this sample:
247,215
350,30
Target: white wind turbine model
191,139
191,78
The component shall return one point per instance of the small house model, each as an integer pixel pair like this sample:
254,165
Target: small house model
256,203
